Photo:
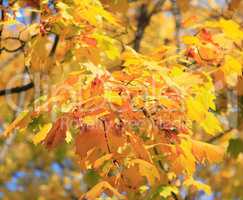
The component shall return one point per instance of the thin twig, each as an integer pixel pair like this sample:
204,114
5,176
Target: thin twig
54,46
11,138
17,89
177,16
218,136
1,26
143,21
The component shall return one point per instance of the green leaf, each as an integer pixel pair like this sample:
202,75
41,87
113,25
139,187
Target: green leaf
235,147
167,191
91,178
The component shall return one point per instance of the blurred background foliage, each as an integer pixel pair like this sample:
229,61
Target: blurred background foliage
32,172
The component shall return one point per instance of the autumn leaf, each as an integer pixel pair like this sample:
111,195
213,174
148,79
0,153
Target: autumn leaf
207,152
191,40
148,170
57,134
41,135
167,191
16,122
113,97
189,182
139,147
231,68
98,189
86,140
99,162
187,156
117,82
68,137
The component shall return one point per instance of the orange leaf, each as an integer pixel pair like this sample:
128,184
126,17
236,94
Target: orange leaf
98,189
57,134
90,41
90,138
139,147
99,162
204,151
16,122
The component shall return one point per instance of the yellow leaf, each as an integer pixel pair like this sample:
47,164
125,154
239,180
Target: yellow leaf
231,29
113,97
195,110
99,162
176,71
9,22
64,10
198,108
16,122
91,119
41,135
68,137
166,191
143,189
211,124
169,103
107,44
98,189
232,69
231,65
148,170
206,97
188,157
191,40
199,185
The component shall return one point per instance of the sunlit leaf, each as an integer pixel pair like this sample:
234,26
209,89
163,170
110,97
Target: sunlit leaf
41,135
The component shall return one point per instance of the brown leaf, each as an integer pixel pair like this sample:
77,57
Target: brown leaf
57,134
91,137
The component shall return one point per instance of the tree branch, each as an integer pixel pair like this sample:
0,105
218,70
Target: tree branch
143,21
9,141
54,47
220,135
18,89
177,16
1,26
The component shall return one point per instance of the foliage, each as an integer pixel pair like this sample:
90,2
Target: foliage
137,118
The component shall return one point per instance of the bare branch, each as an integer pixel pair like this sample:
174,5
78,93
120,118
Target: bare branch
143,21
177,16
9,140
17,89
54,47
218,136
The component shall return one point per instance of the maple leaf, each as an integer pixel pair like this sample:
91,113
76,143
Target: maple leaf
57,134
148,170
41,135
207,152
98,189
89,138
232,69
127,113
16,123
